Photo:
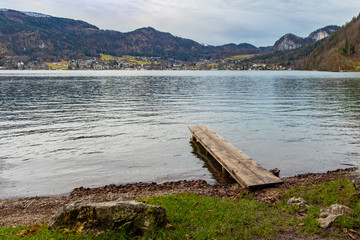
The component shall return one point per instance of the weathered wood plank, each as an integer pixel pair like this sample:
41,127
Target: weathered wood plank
227,161
240,166
242,158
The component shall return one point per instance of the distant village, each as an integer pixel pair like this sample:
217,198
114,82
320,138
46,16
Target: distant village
108,62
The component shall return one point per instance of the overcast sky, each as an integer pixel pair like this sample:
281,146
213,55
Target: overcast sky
213,22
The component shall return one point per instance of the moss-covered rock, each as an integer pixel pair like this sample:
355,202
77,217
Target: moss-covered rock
132,216
355,178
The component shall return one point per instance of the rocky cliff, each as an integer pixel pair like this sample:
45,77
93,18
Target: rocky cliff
287,42
290,41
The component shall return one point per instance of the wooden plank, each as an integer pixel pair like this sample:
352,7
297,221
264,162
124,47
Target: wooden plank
226,157
227,161
242,158
241,167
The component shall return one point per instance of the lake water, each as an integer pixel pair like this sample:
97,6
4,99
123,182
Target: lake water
64,129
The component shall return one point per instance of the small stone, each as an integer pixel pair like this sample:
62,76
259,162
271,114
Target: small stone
135,217
275,171
236,187
355,178
329,214
299,202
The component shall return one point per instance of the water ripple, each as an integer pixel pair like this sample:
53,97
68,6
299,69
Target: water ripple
61,130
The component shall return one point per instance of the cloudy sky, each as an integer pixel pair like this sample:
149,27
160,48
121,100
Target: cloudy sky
213,22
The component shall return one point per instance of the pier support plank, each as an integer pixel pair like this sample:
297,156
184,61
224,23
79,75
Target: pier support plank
241,167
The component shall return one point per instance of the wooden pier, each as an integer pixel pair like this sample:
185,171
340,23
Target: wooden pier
242,168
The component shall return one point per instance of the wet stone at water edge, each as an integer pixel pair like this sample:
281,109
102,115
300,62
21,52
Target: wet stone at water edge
355,178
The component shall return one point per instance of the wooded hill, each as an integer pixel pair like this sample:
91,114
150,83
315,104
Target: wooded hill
38,37
340,51
293,58
26,37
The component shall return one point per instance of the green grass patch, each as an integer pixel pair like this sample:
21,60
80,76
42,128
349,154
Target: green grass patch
355,66
322,196
338,191
128,57
199,217
139,62
212,65
131,59
105,57
242,56
192,216
63,65
43,233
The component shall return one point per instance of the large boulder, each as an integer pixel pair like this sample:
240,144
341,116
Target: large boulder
132,216
329,214
355,178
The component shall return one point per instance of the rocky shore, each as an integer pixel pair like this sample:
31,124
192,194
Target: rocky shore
38,210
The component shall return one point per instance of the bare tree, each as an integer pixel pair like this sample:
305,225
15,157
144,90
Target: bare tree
2,53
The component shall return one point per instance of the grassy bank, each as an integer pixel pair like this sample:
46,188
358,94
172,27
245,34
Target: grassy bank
200,217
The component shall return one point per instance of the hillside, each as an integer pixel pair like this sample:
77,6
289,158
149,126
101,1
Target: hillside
295,52
292,58
37,37
322,33
341,51
287,42
291,41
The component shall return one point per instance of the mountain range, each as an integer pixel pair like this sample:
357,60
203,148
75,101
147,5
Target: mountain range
28,36
34,36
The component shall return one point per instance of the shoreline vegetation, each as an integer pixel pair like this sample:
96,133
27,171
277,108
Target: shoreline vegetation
127,62
278,221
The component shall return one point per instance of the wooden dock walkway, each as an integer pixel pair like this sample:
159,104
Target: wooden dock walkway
242,168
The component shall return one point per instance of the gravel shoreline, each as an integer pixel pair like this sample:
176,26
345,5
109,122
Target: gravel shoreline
38,210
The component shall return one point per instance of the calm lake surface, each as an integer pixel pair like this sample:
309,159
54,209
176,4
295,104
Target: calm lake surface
64,129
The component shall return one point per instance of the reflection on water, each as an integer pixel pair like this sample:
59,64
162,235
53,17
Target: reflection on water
61,130
211,163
